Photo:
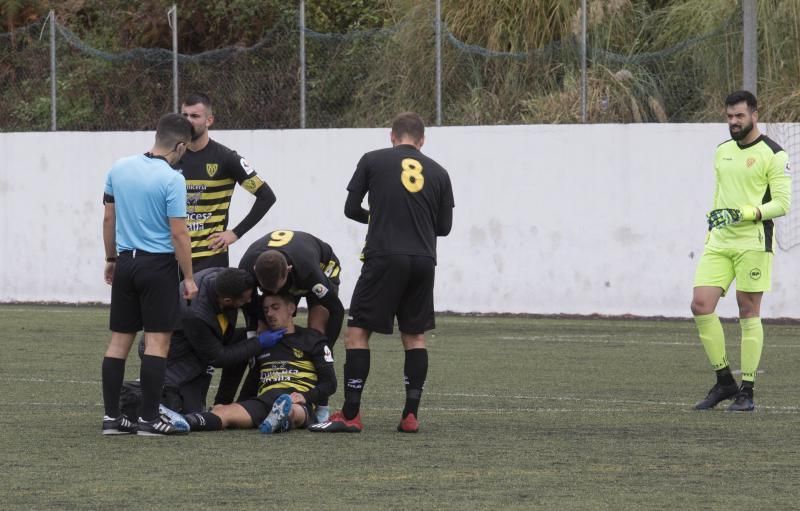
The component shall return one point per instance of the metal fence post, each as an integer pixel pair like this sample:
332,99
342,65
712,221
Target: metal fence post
172,16
583,61
301,21
438,62
53,115
750,43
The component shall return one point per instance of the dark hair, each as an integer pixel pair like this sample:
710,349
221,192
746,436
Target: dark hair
198,98
285,297
233,282
734,98
173,129
270,267
410,124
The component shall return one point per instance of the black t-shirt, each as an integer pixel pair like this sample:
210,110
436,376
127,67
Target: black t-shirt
315,268
407,190
211,175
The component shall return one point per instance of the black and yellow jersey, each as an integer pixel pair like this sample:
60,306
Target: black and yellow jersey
300,362
408,193
211,175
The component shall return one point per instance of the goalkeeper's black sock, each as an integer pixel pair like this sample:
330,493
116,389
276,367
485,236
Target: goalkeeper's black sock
416,369
725,377
203,421
356,370
747,388
113,371
151,375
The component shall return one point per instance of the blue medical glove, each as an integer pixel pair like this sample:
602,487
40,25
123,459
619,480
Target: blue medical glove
270,338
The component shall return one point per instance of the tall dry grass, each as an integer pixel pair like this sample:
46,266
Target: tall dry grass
649,61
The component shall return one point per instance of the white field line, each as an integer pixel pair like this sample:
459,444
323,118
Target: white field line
463,395
609,339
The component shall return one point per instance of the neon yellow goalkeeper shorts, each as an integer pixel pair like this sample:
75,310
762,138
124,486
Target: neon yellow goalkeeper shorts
752,269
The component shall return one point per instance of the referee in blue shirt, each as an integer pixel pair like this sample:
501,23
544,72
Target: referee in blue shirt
144,232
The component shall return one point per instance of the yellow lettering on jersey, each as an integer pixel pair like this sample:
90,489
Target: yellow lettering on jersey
252,184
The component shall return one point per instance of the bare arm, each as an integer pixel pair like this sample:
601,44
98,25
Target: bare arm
109,240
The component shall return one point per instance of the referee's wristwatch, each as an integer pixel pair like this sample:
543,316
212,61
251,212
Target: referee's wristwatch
111,259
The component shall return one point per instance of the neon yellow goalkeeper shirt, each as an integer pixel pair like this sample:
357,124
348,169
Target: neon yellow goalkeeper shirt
753,175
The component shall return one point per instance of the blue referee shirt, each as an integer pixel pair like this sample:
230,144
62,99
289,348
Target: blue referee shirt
147,193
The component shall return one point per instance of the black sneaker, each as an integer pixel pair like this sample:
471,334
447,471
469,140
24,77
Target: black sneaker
119,426
158,427
717,394
743,402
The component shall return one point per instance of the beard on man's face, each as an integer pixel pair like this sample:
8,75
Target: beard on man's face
740,132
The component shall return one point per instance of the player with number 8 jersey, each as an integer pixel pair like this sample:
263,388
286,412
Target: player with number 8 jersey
410,204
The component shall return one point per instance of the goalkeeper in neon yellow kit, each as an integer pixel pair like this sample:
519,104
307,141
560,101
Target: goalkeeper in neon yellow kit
753,186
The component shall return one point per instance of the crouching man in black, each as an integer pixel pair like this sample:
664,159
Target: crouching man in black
288,380
206,338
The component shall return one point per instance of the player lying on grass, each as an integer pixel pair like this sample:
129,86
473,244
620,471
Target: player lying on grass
286,383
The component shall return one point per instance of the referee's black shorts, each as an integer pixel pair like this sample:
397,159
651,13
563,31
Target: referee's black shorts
144,293
394,285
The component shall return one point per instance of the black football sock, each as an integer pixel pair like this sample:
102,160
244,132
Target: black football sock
747,388
356,370
113,371
151,375
416,370
203,421
724,376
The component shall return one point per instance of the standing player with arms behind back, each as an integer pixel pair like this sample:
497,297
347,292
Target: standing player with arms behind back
753,186
211,171
410,204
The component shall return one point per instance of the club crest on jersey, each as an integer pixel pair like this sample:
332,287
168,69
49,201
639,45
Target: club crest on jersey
297,353
750,162
319,290
211,169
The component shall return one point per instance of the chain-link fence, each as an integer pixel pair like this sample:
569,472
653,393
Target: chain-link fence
364,78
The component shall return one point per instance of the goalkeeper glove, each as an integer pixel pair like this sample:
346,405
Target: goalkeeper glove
720,218
270,338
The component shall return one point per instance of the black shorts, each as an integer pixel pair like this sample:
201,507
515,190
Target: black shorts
144,293
259,407
394,285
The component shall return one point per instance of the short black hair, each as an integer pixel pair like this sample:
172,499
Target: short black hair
271,266
410,124
233,282
173,129
736,97
198,98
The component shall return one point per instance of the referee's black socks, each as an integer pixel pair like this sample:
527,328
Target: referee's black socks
416,370
356,370
151,376
113,371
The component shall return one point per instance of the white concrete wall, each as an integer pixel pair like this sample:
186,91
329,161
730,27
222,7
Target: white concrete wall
604,219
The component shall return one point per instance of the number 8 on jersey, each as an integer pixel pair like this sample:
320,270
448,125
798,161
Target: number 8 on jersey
411,176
